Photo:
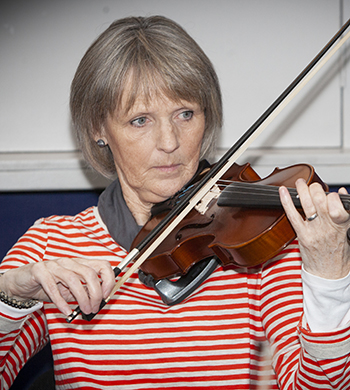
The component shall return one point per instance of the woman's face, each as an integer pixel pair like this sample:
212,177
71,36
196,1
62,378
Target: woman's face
156,147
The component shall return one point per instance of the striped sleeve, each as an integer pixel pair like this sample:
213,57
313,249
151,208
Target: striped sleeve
22,336
20,339
302,359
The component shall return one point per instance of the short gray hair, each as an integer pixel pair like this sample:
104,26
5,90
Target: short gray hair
160,56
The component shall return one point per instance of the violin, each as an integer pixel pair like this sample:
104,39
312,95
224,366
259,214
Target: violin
200,224
243,223
244,226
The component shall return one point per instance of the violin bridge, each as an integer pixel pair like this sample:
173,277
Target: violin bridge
214,193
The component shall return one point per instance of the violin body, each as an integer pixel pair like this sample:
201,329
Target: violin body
242,236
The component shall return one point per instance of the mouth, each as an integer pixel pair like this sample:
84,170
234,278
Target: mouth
167,168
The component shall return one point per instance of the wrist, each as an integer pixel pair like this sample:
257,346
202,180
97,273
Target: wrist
15,302
328,271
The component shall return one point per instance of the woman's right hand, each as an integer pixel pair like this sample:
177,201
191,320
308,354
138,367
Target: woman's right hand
61,281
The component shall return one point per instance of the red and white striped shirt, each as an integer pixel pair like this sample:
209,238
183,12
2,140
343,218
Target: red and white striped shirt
214,339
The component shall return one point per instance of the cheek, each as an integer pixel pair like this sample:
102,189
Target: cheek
125,150
194,143
130,163
133,163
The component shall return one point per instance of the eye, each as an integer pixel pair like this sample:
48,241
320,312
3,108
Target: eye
139,122
186,115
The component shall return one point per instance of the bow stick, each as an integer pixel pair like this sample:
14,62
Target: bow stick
140,253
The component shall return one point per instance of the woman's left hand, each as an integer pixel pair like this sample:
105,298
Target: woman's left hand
322,235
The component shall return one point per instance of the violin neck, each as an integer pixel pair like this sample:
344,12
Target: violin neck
239,194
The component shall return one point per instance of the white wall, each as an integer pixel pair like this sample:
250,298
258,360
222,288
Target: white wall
257,46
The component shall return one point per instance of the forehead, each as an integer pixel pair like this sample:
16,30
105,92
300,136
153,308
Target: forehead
147,89
156,102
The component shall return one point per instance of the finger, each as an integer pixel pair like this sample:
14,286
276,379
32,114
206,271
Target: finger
104,270
84,284
343,191
48,283
79,280
337,212
99,280
293,215
307,200
318,198
108,280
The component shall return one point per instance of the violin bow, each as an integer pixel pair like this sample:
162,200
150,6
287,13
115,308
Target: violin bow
145,248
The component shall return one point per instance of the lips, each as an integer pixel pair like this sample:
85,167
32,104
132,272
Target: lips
167,168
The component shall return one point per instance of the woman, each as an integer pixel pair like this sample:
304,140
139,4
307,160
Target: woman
146,105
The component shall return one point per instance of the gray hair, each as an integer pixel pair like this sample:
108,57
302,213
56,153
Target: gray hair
161,57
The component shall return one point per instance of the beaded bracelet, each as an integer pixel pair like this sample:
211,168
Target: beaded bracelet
15,302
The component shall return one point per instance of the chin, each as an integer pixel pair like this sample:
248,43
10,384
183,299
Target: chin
167,192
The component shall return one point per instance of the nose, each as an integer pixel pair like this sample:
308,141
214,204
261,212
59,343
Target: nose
167,137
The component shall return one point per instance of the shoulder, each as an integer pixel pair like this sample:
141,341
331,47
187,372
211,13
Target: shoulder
74,229
86,220
86,216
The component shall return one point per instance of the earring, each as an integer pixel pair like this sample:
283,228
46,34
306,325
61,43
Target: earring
101,143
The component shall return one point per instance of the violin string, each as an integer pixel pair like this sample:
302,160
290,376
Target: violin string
268,188
256,192
253,189
256,189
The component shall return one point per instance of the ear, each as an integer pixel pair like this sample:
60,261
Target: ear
101,140
101,135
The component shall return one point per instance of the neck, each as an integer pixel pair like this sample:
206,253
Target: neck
141,211
141,216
